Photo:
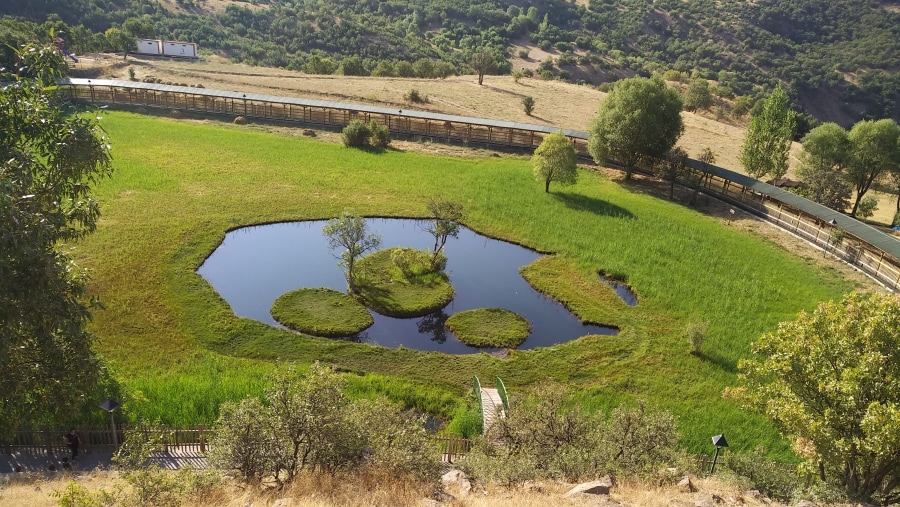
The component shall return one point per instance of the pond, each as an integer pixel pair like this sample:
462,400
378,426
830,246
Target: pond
254,265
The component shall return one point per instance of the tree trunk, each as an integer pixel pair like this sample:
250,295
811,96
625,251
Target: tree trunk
480,77
547,186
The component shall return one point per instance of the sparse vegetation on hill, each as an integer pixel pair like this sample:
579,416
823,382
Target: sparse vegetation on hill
839,60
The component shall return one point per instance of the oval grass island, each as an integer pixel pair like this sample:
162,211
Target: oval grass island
489,327
399,282
321,312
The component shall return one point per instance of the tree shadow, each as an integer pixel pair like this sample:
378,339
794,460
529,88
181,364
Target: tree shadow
724,363
581,202
433,326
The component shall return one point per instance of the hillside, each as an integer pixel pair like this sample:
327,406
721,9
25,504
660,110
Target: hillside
839,59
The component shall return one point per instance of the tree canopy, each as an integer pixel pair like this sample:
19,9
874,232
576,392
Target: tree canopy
768,139
555,160
826,152
349,232
875,152
639,120
49,157
831,380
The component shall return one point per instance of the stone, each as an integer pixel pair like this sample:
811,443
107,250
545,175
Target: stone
805,503
429,502
456,482
753,493
704,502
240,120
600,487
283,502
309,132
686,485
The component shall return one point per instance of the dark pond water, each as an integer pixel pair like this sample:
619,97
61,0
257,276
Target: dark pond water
255,265
623,290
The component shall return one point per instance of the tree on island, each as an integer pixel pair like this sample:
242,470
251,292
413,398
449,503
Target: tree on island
768,139
49,158
444,224
639,120
831,380
554,160
349,232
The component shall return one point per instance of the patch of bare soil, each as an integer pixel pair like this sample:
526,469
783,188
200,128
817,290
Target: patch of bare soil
557,104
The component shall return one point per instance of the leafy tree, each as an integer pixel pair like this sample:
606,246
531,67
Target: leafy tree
826,151
349,232
443,225
639,120
50,156
875,152
671,167
555,160
698,95
831,380
356,134
484,62
768,138
318,65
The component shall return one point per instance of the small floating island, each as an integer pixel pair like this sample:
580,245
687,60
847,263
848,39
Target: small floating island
321,312
489,327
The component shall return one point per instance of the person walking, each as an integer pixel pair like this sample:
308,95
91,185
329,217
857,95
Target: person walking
72,441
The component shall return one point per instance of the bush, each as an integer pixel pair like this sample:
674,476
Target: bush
867,206
307,423
528,104
754,471
380,135
356,134
414,96
523,54
695,332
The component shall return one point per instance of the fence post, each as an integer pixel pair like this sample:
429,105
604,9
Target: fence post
202,439
47,442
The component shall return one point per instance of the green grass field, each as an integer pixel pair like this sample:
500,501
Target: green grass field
180,351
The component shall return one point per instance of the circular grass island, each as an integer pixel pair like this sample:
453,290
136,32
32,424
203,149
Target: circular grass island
489,327
321,312
400,282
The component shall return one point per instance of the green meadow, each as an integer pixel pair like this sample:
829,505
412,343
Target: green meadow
180,351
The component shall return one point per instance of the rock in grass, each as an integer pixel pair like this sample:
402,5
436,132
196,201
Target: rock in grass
489,327
321,312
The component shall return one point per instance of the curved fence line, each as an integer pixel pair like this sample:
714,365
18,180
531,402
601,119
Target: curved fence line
862,246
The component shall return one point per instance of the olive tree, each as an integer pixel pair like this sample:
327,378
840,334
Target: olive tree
875,152
672,167
50,156
639,120
831,380
555,160
768,139
349,233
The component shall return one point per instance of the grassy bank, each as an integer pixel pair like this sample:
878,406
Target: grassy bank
179,186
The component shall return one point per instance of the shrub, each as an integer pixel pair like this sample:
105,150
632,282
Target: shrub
380,135
754,471
867,206
523,54
413,95
518,74
356,134
528,104
695,331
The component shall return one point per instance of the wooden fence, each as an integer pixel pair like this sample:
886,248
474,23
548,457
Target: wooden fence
453,447
49,442
330,114
833,240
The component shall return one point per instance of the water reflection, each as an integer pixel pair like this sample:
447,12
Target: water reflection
255,265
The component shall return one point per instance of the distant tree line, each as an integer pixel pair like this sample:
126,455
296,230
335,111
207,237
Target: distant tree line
850,49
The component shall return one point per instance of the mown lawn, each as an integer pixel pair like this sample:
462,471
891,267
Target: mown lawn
179,186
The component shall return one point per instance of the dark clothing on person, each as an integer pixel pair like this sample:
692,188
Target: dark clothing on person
72,441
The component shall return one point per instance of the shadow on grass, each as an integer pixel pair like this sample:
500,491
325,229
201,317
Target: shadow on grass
597,206
725,364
